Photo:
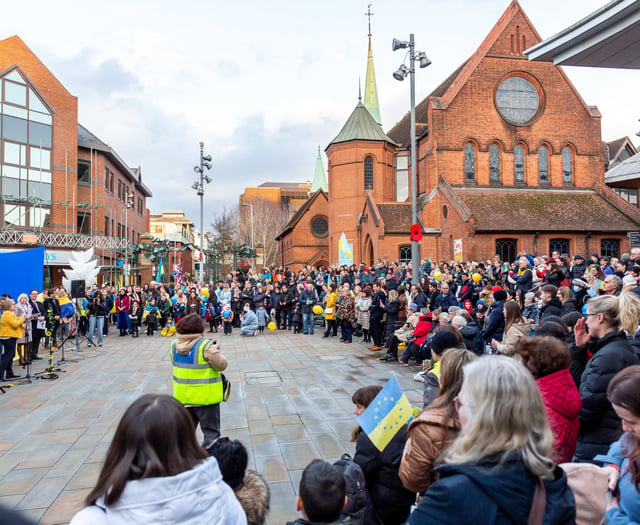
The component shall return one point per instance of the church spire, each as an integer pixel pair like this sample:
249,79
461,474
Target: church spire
370,88
319,177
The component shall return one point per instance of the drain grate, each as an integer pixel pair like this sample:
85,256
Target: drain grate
262,377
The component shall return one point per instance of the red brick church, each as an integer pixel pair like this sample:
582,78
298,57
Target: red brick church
509,160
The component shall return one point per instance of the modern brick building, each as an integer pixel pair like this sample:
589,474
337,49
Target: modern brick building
510,159
61,186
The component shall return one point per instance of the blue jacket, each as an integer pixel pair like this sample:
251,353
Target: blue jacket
307,299
492,494
250,320
629,510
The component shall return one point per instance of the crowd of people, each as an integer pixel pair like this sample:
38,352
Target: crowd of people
526,365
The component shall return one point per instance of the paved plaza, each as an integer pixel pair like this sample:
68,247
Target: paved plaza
290,403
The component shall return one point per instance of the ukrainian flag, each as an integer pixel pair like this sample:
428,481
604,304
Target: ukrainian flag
160,272
386,414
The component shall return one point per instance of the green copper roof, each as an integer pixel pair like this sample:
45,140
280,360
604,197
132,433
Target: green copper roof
361,126
370,88
319,176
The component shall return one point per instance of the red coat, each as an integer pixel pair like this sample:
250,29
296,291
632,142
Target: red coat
422,328
563,403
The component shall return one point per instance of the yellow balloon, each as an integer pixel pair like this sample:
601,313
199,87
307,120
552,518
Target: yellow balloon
476,277
317,309
271,326
437,276
402,346
205,292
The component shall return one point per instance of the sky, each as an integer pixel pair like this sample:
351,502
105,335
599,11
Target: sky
263,83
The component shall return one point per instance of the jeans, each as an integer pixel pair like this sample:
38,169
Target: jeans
347,331
95,322
307,322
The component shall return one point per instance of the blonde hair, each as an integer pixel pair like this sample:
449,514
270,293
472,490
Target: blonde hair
507,416
393,295
622,312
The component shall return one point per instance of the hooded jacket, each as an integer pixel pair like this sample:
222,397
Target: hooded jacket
472,338
599,424
428,435
254,496
211,351
193,497
492,494
563,403
551,307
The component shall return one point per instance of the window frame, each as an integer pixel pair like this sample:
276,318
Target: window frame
368,171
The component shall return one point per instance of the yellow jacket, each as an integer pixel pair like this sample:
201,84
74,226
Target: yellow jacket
11,325
332,299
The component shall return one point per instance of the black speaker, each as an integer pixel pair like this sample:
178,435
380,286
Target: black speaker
77,289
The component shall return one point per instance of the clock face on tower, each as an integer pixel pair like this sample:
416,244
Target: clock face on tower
518,101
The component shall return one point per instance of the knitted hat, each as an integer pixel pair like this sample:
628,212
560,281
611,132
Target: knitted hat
414,307
481,301
578,257
443,341
500,295
628,279
496,288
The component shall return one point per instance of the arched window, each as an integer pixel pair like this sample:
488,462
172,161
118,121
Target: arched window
543,165
610,248
494,163
559,245
404,254
507,249
567,165
469,162
368,173
518,161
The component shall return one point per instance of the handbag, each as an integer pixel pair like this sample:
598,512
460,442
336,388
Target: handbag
328,310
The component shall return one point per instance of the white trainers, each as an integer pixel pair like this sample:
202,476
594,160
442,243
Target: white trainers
419,377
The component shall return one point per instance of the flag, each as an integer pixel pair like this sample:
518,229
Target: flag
160,270
386,414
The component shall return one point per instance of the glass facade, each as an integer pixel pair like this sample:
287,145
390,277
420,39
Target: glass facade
25,154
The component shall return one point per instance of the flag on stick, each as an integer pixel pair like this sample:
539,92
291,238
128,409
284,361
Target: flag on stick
386,414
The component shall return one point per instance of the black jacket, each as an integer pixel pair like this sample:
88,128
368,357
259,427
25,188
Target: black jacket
472,338
551,307
494,322
391,500
599,424
486,493
445,301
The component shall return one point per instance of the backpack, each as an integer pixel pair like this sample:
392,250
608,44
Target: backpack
359,507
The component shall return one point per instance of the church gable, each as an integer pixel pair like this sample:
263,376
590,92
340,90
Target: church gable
515,36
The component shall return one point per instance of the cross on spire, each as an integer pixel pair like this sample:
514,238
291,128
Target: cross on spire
369,14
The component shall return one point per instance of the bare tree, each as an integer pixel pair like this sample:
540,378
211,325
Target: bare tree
224,240
269,219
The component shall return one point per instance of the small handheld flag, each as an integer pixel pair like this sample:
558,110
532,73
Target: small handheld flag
386,414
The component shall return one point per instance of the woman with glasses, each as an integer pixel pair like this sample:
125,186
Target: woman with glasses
499,469
600,332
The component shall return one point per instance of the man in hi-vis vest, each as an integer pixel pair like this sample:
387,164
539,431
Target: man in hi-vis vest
197,382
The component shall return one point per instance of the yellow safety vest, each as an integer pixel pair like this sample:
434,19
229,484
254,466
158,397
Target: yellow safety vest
194,381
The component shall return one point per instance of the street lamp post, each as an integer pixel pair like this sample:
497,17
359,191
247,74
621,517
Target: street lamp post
128,205
401,74
205,162
253,246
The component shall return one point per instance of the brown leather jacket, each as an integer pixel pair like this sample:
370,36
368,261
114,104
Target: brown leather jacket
429,434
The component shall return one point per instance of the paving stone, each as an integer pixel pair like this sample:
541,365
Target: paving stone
328,445
299,455
21,481
273,469
288,433
265,445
